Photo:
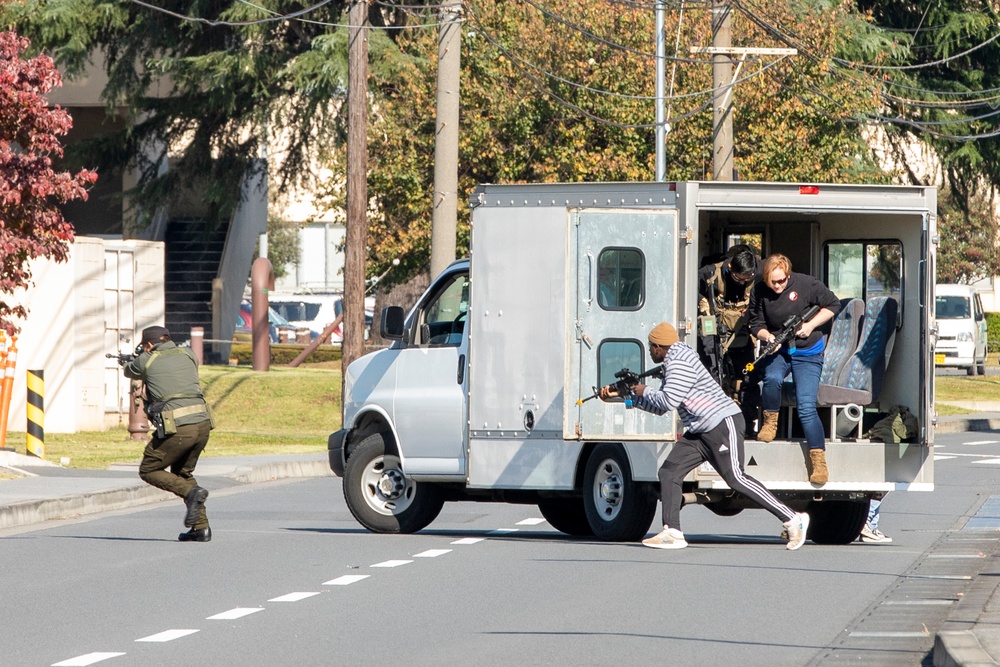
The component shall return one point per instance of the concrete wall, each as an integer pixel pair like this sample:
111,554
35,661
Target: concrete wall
64,333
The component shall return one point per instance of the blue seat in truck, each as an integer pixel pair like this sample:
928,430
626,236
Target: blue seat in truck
860,380
840,345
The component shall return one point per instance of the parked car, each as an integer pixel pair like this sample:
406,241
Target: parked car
276,324
961,326
317,311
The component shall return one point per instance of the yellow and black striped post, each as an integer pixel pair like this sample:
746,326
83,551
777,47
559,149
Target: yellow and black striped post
35,437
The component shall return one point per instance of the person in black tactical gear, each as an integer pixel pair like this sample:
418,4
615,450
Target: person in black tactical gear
726,346
182,420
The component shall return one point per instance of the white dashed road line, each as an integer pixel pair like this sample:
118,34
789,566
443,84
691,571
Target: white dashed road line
238,612
346,580
86,659
982,442
293,597
167,636
432,553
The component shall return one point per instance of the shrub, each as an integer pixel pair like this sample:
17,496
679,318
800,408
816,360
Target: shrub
284,354
993,332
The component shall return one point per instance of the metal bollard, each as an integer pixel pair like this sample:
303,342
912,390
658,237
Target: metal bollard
198,344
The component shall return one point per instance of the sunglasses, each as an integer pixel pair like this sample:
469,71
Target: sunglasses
780,282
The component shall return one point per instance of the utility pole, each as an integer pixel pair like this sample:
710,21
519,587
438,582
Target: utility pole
357,184
723,80
444,221
722,100
661,115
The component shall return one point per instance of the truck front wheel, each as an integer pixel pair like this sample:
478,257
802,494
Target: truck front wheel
380,497
836,521
618,508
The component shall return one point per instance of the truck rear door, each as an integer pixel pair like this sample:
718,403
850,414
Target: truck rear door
626,264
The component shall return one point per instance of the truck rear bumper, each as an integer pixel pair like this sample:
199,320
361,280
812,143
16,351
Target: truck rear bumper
335,451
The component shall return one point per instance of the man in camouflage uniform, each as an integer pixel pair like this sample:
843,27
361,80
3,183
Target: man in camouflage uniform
177,410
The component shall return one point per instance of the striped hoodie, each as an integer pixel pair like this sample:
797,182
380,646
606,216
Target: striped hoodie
688,388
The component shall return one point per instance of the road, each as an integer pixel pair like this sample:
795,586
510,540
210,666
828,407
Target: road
291,579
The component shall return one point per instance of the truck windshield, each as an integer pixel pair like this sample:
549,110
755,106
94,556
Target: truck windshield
952,308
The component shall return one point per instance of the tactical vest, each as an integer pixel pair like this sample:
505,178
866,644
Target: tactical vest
729,311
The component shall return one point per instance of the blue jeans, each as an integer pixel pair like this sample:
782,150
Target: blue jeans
805,377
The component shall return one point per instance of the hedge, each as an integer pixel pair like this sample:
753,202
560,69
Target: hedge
993,332
284,354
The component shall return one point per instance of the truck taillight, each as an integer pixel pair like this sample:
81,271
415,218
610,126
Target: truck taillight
808,189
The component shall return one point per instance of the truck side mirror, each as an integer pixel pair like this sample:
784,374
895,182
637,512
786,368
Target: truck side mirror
393,322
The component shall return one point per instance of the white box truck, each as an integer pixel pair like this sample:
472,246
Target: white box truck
477,397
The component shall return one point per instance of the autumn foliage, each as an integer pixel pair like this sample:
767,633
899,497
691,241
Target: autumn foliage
31,224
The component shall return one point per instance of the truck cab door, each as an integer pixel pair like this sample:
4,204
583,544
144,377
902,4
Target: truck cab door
626,283
429,401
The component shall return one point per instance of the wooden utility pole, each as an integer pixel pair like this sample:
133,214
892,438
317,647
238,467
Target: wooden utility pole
722,102
444,221
723,80
357,184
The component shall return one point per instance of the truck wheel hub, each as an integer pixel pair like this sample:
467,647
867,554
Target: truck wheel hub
391,484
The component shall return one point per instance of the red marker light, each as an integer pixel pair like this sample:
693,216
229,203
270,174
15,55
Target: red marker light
808,189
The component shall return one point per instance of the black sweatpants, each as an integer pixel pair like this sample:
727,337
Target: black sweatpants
722,447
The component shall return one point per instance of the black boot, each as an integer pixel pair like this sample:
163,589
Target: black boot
193,500
203,535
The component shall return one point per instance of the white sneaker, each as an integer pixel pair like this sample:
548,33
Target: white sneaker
796,529
873,536
668,538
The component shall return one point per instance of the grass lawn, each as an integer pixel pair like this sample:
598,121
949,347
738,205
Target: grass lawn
285,410
965,389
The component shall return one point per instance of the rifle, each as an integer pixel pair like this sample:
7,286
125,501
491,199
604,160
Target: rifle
788,330
626,379
124,357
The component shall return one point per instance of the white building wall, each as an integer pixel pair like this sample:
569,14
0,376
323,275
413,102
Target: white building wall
64,332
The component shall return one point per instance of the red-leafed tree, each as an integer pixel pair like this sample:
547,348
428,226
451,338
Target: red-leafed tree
31,224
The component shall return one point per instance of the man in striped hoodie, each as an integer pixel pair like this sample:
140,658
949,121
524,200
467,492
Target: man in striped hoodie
714,433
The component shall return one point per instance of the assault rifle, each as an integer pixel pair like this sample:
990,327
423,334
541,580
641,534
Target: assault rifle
124,357
626,379
788,330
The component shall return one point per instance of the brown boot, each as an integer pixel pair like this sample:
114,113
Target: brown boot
819,474
769,428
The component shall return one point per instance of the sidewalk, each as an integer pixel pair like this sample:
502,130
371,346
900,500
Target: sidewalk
51,492
969,638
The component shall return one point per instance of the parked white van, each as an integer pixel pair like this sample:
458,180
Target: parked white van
315,311
961,329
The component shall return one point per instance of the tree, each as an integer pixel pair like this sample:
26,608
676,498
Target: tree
210,86
563,91
31,188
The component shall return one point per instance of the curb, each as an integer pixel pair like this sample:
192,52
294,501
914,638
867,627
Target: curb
30,512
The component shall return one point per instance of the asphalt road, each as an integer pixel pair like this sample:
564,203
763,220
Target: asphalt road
291,579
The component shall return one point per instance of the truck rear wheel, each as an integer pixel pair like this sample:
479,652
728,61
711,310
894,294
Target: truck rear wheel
380,497
618,508
836,521
567,515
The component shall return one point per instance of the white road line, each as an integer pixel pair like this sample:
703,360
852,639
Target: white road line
346,580
982,442
167,636
991,462
468,540
86,659
391,563
979,555
920,602
530,522
293,597
238,612
939,457
432,553
971,456
502,531
890,634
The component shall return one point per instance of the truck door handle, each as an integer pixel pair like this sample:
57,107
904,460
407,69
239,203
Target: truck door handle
461,368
